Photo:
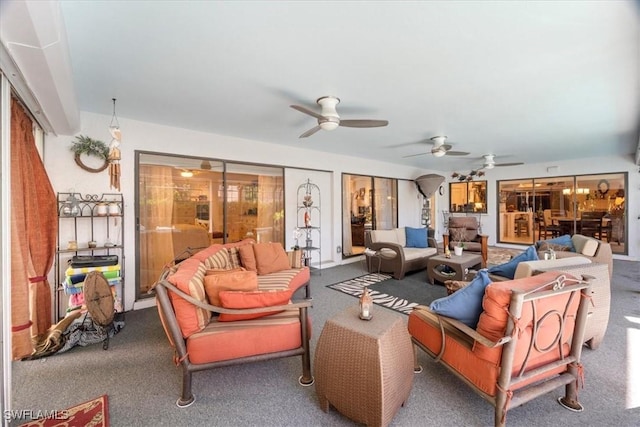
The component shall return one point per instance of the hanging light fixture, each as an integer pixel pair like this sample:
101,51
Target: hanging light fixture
114,150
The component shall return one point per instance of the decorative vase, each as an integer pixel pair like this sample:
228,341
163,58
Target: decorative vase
458,250
101,209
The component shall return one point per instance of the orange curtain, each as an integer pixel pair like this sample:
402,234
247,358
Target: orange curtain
33,236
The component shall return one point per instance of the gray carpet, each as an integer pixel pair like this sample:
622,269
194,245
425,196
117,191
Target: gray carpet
143,384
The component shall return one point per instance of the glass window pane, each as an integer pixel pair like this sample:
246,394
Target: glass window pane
369,203
255,203
593,205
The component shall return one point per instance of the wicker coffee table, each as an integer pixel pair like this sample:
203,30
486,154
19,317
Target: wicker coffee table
460,264
364,369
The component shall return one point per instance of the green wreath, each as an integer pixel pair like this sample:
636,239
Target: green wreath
90,147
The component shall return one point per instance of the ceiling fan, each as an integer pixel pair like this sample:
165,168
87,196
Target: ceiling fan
489,162
441,149
329,119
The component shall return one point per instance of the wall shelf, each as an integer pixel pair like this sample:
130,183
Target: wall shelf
82,219
309,213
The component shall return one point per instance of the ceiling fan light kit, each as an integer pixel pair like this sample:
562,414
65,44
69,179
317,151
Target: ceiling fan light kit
329,119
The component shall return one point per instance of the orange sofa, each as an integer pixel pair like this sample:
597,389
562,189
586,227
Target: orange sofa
527,341
231,304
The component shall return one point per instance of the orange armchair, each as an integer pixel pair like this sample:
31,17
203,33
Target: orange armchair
527,342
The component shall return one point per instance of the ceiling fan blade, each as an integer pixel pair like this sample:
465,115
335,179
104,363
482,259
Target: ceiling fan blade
509,164
414,155
310,132
307,111
457,153
363,123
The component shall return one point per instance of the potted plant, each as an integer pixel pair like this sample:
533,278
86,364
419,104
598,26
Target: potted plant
458,248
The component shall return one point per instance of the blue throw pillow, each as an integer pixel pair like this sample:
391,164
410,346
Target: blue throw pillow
508,269
561,240
464,305
416,237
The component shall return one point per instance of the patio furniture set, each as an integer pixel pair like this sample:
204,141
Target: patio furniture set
365,368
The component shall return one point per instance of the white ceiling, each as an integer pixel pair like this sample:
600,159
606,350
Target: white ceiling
529,81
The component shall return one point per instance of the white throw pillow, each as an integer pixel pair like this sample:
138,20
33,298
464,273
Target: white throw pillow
590,247
386,236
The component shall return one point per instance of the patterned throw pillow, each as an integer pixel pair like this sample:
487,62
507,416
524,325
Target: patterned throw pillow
219,260
233,257
458,234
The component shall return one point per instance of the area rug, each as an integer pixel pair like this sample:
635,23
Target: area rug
94,413
399,295
497,256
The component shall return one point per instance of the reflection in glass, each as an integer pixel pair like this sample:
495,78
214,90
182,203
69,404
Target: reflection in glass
593,205
468,196
214,202
369,203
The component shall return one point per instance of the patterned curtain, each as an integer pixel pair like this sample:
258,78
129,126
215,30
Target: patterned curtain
33,236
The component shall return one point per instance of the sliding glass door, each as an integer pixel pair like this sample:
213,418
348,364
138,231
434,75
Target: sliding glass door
368,203
543,208
189,203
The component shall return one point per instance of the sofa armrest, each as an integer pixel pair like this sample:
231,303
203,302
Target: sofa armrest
395,247
432,242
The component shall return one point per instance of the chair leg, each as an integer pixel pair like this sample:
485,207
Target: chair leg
416,366
306,379
570,399
187,397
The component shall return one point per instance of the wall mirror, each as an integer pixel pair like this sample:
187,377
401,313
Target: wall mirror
468,196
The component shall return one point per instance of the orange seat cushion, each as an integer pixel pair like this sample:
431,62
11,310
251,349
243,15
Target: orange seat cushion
231,340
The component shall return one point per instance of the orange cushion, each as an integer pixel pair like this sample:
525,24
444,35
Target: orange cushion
258,299
247,257
232,340
270,257
493,320
237,280
189,277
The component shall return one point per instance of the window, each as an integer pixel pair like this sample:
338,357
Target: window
468,196
543,208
